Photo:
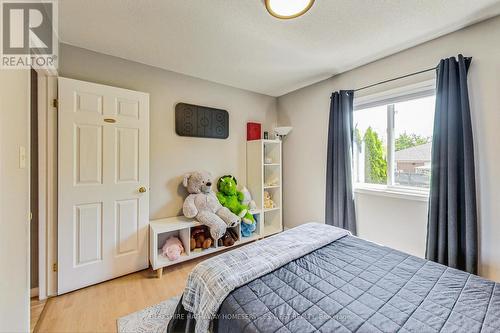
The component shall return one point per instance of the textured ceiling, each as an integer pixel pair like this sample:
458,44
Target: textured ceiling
237,43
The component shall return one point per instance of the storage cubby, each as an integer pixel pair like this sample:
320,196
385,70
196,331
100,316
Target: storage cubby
272,175
272,152
206,235
275,194
182,234
272,222
236,231
181,227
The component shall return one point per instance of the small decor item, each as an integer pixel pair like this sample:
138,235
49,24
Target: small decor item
201,121
253,131
268,160
203,205
266,135
200,238
172,249
268,201
231,198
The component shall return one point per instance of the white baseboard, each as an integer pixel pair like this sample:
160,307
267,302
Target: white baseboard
34,292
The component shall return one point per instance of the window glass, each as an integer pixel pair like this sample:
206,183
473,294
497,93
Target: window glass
413,125
370,145
392,143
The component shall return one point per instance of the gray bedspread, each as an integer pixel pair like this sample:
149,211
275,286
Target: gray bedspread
212,280
352,285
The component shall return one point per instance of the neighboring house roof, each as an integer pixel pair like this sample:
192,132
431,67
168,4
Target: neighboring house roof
421,153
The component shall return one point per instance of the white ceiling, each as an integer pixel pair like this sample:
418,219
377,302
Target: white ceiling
237,43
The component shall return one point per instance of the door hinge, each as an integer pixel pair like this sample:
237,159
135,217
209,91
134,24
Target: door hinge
54,267
55,103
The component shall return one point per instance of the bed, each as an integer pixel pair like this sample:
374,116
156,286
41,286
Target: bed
352,285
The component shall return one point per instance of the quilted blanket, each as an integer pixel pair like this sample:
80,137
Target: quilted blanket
352,285
212,280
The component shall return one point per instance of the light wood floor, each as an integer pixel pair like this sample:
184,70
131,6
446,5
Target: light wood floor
36,307
96,308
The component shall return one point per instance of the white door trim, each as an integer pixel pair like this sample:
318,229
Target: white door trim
47,175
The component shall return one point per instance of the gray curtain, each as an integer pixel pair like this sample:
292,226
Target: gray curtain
452,220
339,197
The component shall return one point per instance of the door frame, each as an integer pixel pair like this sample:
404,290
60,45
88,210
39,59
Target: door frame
47,183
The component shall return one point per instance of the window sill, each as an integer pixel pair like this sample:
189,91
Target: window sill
398,193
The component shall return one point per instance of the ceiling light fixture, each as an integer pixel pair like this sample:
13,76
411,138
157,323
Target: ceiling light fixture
288,9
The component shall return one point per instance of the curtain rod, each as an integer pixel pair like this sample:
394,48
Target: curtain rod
396,78
403,76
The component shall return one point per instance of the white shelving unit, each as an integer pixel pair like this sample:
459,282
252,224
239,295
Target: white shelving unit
264,175
261,177
161,229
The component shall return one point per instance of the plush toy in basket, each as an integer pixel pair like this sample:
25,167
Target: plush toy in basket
172,249
230,197
202,204
229,238
200,238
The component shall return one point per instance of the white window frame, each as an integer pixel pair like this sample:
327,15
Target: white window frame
414,91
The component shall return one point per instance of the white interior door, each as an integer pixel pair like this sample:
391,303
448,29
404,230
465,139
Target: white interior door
103,182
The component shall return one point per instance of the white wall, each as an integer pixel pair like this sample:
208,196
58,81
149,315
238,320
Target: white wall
305,148
14,201
391,221
172,155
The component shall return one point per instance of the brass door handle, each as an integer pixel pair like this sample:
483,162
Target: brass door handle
142,189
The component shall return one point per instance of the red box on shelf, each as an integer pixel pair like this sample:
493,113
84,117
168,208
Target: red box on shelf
253,131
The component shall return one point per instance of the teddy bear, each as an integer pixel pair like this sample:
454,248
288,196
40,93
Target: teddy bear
200,238
229,238
230,197
203,205
172,249
268,201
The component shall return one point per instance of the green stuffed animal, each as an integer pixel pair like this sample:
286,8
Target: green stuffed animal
231,198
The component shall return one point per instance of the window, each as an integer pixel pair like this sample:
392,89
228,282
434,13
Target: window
393,139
